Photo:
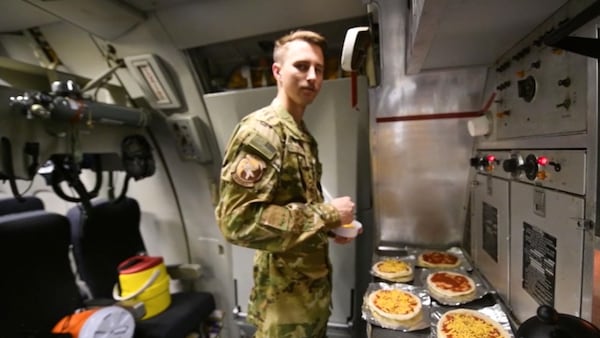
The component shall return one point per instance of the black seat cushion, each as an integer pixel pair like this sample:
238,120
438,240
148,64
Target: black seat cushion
11,205
187,310
37,281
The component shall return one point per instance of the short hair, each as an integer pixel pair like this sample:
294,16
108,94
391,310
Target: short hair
308,36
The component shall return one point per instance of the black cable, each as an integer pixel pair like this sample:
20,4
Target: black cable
7,163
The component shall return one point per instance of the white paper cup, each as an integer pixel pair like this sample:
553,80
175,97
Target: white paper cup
479,126
349,231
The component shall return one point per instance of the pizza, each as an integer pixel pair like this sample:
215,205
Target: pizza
438,259
452,286
465,323
394,270
394,304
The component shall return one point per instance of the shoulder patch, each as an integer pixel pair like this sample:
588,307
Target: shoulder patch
249,170
262,146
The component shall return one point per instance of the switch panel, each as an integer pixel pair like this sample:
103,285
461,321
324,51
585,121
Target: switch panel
190,137
540,90
562,170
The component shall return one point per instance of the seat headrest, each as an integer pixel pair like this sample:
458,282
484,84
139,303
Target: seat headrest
11,205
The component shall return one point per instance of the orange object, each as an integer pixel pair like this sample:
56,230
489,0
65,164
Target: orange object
107,322
73,323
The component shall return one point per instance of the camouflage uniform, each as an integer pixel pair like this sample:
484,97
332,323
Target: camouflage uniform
271,201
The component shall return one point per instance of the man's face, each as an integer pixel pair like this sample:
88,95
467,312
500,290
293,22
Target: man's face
300,73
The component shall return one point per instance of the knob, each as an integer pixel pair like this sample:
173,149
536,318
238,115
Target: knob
510,165
547,314
536,64
478,162
474,161
527,88
530,167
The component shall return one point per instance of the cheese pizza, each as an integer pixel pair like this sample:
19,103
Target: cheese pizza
451,286
394,270
465,323
438,259
394,304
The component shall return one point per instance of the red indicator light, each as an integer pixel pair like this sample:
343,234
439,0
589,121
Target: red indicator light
542,160
490,158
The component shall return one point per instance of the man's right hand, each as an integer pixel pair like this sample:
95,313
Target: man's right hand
345,207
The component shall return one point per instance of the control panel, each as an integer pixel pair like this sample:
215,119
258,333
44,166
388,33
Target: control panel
540,90
556,169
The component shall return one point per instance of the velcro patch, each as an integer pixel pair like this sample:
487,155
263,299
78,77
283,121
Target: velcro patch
262,146
249,170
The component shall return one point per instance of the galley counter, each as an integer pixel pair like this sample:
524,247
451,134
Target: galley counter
485,299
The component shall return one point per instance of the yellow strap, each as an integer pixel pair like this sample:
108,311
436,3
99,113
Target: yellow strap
149,282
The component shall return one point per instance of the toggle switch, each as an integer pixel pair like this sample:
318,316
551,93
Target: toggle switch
564,82
565,104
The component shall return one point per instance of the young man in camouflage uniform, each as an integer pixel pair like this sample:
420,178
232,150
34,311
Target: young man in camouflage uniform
271,199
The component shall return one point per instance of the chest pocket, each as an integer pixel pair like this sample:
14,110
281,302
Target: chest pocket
300,170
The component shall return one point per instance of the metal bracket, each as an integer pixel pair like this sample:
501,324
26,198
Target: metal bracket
584,46
584,224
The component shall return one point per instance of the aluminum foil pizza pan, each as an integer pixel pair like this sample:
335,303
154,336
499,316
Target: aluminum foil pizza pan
480,288
410,260
462,257
495,312
421,321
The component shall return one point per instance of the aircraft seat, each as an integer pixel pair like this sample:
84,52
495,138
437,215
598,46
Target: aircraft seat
38,283
108,234
10,205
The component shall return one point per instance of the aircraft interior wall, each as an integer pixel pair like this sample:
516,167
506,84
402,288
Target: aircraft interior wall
178,201
412,174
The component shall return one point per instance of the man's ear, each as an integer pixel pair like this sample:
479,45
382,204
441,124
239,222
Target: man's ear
276,68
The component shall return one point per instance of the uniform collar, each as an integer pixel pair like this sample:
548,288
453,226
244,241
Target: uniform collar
298,131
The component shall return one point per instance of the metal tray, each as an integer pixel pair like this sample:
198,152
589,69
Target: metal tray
495,312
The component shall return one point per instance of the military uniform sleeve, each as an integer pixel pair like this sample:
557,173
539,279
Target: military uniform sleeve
246,213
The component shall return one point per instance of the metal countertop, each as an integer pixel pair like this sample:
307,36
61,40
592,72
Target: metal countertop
490,299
